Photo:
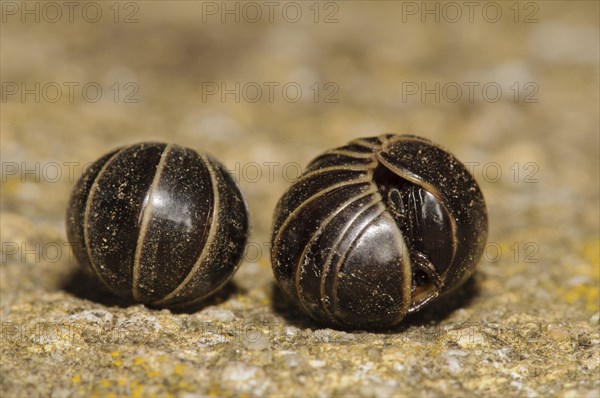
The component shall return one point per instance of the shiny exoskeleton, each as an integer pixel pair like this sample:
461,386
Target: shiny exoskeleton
377,229
158,223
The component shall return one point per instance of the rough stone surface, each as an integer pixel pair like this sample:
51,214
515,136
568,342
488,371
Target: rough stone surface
527,324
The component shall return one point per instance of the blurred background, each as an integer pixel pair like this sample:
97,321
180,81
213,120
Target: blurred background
511,88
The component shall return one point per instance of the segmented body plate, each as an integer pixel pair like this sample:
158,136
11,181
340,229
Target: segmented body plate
341,252
157,223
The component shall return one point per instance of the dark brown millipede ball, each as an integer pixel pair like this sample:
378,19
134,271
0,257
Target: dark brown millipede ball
158,223
377,229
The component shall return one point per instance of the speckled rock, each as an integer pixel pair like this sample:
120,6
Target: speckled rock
526,324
